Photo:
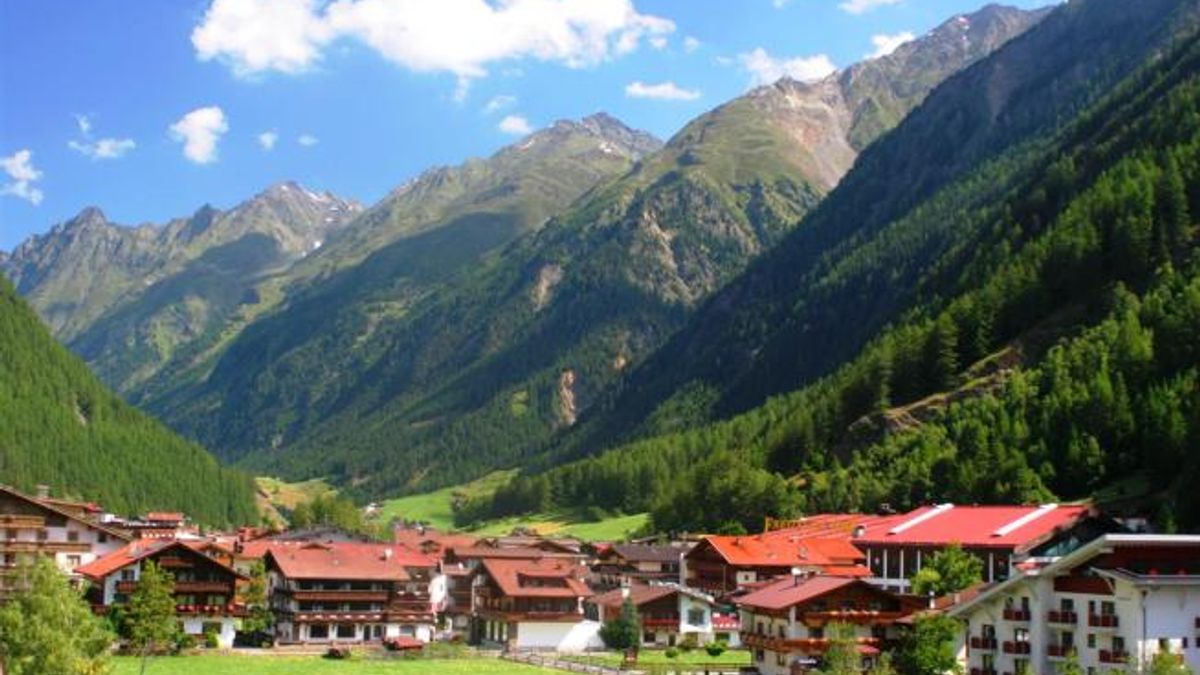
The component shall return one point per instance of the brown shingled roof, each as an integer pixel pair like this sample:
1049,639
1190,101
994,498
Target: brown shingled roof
515,578
347,561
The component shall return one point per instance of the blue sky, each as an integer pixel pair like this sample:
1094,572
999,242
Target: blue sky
150,109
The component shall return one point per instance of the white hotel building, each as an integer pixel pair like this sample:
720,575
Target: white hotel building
1114,603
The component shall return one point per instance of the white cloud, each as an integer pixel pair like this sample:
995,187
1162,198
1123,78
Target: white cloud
765,69
461,37
658,42
663,91
268,139
886,44
864,6
690,44
22,175
104,148
515,125
199,131
498,103
307,140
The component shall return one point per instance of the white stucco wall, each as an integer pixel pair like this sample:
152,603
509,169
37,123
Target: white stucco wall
195,626
561,637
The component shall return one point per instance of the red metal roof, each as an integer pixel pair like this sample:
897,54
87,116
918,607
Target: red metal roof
1014,527
511,575
348,560
788,591
640,594
784,549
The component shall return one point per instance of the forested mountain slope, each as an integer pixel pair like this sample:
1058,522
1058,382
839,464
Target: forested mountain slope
816,299
60,426
130,299
1041,324
417,389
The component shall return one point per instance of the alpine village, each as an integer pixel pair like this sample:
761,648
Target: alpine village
890,368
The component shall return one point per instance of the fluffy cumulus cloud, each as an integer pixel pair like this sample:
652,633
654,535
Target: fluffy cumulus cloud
200,131
690,44
864,6
99,148
22,175
307,140
515,125
765,69
886,44
268,139
663,91
461,37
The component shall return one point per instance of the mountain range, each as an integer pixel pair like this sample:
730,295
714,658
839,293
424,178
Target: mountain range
781,287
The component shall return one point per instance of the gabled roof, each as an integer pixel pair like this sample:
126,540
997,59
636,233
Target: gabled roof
648,552
521,553
432,540
640,594
514,577
64,513
165,517
139,549
788,591
347,561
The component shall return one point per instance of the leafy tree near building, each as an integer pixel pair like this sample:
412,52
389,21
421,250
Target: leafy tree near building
929,647
624,631
842,657
48,629
151,619
948,571
259,618
1167,663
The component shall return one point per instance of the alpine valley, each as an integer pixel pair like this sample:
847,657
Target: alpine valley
971,261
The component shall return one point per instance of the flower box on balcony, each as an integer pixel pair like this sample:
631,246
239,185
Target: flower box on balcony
1016,615
983,643
1104,620
1063,616
1016,647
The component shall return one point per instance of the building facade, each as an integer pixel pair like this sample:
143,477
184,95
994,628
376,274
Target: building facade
670,615
533,605
1112,604
347,592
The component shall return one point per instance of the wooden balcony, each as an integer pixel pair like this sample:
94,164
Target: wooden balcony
15,522
983,644
341,596
1062,617
231,609
1110,621
1060,651
225,587
806,645
661,622
1012,614
1011,647
856,616
332,616
1111,656
519,615
44,546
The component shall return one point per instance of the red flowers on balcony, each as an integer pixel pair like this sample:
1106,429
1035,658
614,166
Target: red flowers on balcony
1104,620
1013,614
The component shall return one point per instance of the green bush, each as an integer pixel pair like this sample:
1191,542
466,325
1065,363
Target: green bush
716,649
211,640
672,652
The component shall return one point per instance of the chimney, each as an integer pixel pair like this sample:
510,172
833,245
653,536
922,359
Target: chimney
797,576
43,491
387,554
859,531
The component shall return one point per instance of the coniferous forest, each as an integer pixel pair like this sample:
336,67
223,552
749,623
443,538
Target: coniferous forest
61,427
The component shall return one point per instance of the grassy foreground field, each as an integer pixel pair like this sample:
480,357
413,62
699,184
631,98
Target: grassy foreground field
654,657
314,665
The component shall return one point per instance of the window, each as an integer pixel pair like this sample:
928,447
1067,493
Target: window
345,631
1021,666
43,535
1067,640
11,533
989,661
696,617
72,536
1066,605
211,627
1107,608
1021,634
102,538
127,574
318,631
1164,644
760,629
1118,644
780,659
987,631
648,636
74,561
759,655
1091,640
1025,603
816,633
783,631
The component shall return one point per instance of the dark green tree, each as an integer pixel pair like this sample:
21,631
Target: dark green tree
950,570
623,631
929,647
48,629
151,617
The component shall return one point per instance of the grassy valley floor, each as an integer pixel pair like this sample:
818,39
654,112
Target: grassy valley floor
315,665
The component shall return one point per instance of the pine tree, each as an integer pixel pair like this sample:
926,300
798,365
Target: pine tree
151,615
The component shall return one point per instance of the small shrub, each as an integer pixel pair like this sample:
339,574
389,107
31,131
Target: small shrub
716,649
184,642
211,640
671,652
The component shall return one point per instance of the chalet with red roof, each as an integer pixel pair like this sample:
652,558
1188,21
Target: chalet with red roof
1112,605
32,526
722,564
671,614
784,622
344,592
523,604
205,588
629,564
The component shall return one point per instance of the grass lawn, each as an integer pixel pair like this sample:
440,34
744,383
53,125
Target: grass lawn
650,657
434,507
609,529
315,665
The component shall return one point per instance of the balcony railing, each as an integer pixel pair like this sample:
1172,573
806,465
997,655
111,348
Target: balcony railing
340,596
983,671
230,609
203,587
1113,656
1062,616
1012,614
1104,621
660,622
984,644
1011,647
